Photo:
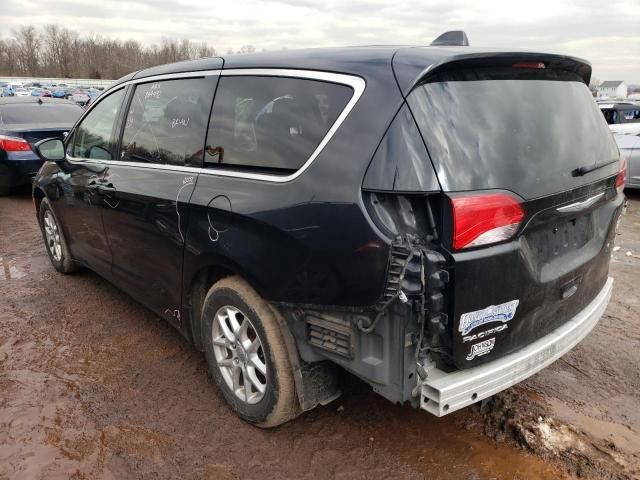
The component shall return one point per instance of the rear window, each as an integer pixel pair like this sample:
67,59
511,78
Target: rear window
167,122
38,114
516,129
271,124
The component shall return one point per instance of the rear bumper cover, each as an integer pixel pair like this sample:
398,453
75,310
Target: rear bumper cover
443,393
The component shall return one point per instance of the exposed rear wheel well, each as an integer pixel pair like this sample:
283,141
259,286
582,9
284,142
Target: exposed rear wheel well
203,280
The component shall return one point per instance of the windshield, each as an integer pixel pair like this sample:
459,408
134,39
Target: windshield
522,131
34,113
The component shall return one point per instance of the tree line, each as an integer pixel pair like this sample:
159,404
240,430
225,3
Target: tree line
55,51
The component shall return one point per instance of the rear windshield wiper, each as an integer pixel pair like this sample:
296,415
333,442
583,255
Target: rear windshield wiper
580,171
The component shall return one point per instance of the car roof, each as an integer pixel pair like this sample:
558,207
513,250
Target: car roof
409,62
41,100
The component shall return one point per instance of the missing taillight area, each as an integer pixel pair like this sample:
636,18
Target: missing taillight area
484,219
14,144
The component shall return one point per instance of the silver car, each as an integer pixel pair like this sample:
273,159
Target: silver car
80,97
629,145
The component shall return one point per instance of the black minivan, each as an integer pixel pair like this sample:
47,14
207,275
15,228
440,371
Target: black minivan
436,220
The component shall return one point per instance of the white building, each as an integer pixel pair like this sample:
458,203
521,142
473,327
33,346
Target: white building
612,89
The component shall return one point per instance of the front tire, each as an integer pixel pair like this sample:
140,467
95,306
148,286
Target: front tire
247,355
54,240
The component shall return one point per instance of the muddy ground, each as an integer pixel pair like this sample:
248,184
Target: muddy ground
94,386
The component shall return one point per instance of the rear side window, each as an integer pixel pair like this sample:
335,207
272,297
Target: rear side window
271,124
93,137
167,122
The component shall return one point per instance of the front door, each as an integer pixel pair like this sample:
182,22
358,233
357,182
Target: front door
148,189
79,199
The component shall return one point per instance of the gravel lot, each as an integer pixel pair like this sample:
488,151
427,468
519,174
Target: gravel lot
94,386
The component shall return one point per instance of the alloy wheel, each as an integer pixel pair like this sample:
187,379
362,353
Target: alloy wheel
52,235
239,354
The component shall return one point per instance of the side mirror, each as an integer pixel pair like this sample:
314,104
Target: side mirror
51,149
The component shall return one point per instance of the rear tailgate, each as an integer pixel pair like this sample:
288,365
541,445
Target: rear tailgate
534,133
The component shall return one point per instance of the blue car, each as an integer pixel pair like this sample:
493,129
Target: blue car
59,93
23,122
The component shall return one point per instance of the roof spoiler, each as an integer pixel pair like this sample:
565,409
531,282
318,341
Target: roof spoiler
413,66
455,38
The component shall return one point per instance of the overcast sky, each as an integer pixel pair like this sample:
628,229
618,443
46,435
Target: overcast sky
607,33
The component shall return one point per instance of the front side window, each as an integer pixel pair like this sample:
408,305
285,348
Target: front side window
93,138
167,122
271,124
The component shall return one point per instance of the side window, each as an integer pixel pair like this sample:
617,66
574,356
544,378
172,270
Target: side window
93,137
167,122
271,124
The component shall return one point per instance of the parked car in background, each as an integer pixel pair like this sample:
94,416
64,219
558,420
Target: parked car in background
37,92
23,122
93,92
621,116
629,145
412,215
80,97
22,92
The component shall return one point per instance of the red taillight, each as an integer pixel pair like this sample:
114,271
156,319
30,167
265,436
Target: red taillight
484,218
621,179
528,65
14,144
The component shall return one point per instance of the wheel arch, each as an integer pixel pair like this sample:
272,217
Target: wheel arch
199,285
38,196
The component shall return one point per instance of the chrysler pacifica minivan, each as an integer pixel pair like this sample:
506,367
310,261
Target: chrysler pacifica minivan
436,220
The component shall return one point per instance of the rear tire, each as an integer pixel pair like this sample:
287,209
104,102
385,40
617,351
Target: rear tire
247,354
54,240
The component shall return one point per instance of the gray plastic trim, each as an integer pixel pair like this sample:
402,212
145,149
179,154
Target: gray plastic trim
443,393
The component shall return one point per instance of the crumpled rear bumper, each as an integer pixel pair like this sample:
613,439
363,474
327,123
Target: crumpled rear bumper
443,393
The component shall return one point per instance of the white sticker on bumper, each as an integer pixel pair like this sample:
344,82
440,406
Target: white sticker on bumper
482,348
494,313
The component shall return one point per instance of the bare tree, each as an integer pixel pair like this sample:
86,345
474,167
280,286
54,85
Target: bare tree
28,45
60,48
247,49
8,57
60,52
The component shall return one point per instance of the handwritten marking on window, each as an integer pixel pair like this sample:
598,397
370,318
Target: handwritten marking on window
154,92
180,122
